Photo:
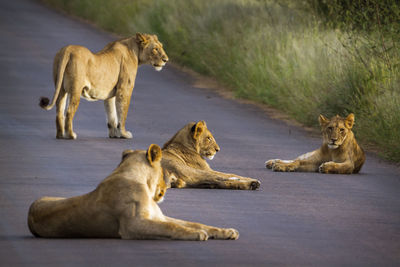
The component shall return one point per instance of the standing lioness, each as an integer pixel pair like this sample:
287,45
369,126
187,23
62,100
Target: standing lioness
108,75
123,205
339,152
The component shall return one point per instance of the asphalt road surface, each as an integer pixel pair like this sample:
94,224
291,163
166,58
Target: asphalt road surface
293,219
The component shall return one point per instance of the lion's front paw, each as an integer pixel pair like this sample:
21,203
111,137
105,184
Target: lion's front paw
254,185
202,235
327,167
126,134
71,135
231,233
113,132
269,164
178,183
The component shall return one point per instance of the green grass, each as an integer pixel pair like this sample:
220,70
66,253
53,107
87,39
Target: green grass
281,55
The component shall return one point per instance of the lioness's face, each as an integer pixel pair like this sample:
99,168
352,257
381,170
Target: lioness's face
207,145
154,53
335,130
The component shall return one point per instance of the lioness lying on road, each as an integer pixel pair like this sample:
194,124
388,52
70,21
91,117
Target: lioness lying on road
339,152
184,164
123,205
108,75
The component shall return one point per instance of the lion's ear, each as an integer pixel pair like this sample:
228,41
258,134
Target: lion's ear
323,120
349,121
141,38
153,154
198,129
126,152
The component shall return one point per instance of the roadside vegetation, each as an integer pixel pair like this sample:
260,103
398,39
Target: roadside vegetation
303,57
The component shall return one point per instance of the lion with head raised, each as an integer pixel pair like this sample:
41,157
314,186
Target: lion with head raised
184,161
108,75
124,205
339,152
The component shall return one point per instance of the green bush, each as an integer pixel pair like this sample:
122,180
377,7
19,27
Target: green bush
297,56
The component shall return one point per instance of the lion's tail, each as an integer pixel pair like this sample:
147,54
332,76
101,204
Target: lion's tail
59,69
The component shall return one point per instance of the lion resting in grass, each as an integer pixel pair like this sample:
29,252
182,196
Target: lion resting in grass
124,205
339,152
108,75
184,164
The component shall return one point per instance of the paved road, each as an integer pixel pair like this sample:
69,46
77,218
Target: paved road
294,219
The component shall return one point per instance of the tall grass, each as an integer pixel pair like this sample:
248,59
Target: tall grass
279,54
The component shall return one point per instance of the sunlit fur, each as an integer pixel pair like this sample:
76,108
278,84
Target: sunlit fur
108,75
184,161
339,152
124,205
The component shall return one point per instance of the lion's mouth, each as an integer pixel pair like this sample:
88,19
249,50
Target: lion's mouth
333,146
158,67
210,156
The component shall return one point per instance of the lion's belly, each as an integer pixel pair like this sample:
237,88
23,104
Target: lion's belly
99,89
91,89
93,94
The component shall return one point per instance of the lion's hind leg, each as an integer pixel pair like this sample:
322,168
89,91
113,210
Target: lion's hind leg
74,99
60,119
233,181
215,179
285,165
308,162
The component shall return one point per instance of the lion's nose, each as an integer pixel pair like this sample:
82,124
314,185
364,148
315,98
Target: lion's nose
333,140
165,59
217,149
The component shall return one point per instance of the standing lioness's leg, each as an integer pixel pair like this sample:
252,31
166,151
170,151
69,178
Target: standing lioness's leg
112,118
60,119
72,107
122,101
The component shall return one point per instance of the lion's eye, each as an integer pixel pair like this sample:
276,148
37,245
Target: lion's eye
330,128
341,130
209,138
155,51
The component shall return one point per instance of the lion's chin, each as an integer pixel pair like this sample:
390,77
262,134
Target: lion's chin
211,157
158,68
333,146
160,200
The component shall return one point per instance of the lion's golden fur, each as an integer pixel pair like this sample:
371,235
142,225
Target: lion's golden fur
124,205
184,161
108,75
339,153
